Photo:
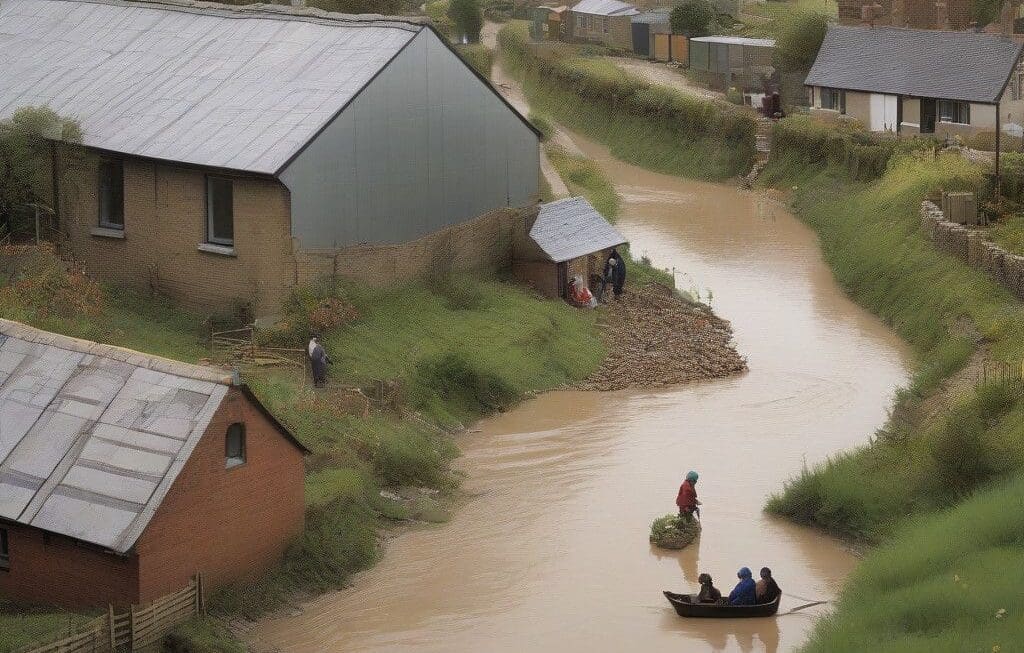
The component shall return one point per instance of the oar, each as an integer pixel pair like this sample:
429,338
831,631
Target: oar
806,605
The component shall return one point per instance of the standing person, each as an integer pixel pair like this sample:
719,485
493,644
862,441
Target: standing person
766,589
619,275
607,276
318,360
687,497
744,593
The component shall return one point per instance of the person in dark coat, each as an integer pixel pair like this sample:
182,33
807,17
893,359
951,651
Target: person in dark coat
766,589
607,274
744,593
619,274
318,360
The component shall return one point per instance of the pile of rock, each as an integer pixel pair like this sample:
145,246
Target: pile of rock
656,338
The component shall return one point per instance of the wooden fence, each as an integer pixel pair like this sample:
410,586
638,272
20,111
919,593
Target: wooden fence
1006,374
134,630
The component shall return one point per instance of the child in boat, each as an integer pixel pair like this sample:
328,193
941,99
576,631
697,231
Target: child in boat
766,589
708,592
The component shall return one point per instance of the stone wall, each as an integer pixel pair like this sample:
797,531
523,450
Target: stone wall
970,246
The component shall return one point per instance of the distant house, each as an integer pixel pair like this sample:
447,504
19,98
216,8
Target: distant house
916,14
122,474
732,61
546,22
235,152
917,81
607,22
567,238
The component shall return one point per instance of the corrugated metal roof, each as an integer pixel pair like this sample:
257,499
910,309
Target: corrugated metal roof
968,66
656,17
93,436
736,40
605,8
236,88
570,228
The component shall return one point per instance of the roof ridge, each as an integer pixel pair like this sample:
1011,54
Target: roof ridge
20,331
270,12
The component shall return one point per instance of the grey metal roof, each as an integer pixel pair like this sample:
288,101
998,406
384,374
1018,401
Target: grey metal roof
92,436
229,87
968,66
736,40
605,8
656,17
570,228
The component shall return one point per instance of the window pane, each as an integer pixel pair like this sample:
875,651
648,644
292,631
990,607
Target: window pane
111,193
220,211
5,556
234,445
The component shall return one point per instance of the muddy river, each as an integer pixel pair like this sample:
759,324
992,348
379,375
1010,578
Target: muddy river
551,554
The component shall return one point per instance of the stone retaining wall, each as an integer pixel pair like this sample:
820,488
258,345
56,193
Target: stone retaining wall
970,246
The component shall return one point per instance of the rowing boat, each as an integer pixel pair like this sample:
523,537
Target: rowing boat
687,605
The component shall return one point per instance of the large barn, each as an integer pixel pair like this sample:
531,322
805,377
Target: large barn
124,474
233,152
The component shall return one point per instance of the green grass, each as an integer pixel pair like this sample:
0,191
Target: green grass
871,238
649,125
1009,234
21,626
478,56
949,582
202,635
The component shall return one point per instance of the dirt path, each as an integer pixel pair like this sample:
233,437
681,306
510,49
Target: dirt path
659,73
655,338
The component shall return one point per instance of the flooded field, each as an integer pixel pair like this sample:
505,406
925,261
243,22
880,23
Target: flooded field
550,554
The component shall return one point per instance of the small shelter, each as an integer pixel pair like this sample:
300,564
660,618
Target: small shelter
644,27
568,237
546,22
727,61
608,22
123,474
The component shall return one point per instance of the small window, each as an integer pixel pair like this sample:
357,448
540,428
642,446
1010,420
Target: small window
234,445
953,111
111,193
220,211
833,99
579,21
605,20
5,552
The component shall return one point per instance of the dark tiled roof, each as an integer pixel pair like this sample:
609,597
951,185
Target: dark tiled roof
968,66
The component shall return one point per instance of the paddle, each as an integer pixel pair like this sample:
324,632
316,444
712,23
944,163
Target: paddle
806,605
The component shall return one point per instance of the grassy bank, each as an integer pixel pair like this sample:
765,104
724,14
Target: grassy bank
641,123
457,348
939,583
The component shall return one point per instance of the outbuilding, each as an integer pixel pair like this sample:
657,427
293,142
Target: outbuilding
607,22
732,61
234,152
568,238
124,474
910,81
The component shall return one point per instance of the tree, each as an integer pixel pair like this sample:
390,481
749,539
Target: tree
27,155
693,18
467,18
798,40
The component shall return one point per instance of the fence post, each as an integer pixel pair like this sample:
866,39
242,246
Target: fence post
131,626
110,626
200,601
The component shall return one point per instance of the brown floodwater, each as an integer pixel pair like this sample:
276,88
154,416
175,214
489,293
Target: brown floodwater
550,552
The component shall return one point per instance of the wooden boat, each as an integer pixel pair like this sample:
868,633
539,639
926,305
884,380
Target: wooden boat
686,605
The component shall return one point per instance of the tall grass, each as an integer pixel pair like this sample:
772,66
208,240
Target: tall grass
21,626
643,123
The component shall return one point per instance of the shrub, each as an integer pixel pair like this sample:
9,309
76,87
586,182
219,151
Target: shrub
41,287
543,125
734,95
693,18
842,146
354,6
453,378
798,39
673,531
466,18
406,455
478,56
315,308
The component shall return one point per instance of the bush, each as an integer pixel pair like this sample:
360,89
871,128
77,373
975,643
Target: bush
842,146
799,36
407,455
40,287
467,19
673,531
454,379
693,18
478,56
734,95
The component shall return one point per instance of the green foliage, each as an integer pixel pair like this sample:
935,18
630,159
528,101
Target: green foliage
466,18
673,531
22,625
438,13
1008,233
356,6
693,18
407,455
478,56
984,12
543,125
202,635
642,123
798,37
951,581
734,95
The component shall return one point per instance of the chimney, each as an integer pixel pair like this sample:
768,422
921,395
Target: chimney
942,15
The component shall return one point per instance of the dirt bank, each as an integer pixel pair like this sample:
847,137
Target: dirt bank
656,338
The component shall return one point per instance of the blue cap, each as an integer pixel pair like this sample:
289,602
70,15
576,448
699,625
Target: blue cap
744,572
691,476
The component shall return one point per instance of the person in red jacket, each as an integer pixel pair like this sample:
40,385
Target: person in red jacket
687,497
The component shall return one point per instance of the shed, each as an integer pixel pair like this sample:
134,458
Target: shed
123,474
227,144
642,29
568,237
546,22
726,61
608,22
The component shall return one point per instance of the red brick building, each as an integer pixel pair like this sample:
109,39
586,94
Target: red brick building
122,475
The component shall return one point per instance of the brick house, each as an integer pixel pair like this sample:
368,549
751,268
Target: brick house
607,22
907,81
122,474
568,237
232,153
916,14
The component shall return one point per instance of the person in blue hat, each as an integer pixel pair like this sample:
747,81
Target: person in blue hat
745,591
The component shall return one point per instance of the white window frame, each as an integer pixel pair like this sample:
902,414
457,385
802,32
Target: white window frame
939,117
210,236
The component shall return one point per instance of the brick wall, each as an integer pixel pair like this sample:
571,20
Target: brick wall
230,524
165,222
50,569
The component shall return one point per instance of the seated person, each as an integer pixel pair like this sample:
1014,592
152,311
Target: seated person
744,592
766,590
708,592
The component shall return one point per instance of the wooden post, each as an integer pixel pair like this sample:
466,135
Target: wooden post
200,599
110,626
131,626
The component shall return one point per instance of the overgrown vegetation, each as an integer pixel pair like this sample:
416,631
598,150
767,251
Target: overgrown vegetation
650,125
479,56
798,37
20,625
693,18
673,531
467,20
